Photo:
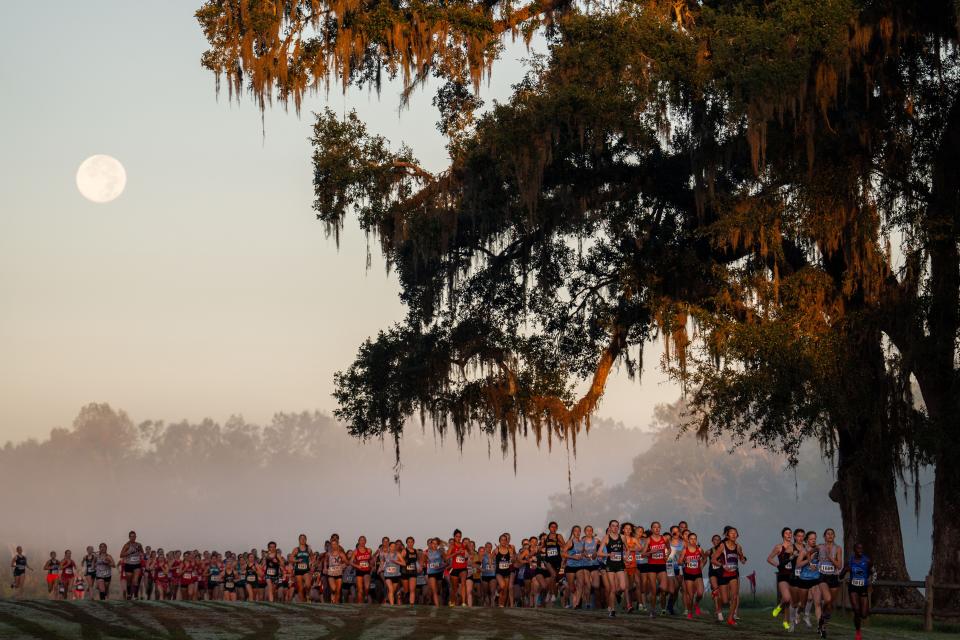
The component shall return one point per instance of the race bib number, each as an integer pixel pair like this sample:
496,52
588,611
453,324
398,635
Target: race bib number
230,584
730,568
271,571
433,564
504,565
670,571
658,555
302,566
642,560
552,552
161,575
364,564
797,572
858,582
631,557
251,578
68,571
788,566
826,568
392,571
616,556
693,563
460,559
187,575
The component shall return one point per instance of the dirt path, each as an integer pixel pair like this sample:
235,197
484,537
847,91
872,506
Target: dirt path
241,621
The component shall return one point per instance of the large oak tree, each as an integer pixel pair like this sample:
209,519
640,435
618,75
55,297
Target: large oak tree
770,186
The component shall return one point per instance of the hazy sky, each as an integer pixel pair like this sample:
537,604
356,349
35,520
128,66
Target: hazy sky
207,288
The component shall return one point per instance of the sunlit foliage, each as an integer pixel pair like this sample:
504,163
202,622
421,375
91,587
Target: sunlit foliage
735,168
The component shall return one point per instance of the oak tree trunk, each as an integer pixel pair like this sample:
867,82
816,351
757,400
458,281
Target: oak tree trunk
866,486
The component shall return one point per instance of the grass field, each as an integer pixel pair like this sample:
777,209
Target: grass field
227,621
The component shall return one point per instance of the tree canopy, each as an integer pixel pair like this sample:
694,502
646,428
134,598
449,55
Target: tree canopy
770,186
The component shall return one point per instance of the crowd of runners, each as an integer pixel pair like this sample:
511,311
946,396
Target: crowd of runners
627,567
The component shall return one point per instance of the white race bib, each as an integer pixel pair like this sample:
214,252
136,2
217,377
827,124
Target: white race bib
552,551
826,568
504,565
670,572
302,566
729,568
615,556
858,582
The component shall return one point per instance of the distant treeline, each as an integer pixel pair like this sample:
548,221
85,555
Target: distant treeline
236,484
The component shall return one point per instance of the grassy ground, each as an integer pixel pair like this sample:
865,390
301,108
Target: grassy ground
226,621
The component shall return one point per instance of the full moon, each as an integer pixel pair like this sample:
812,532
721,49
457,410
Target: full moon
101,178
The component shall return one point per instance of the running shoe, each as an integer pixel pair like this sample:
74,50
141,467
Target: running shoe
857,635
697,611
689,616
719,616
776,611
630,609
806,620
731,622
736,617
786,625
611,613
793,627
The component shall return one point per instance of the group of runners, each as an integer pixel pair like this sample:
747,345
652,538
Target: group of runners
810,573
654,571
